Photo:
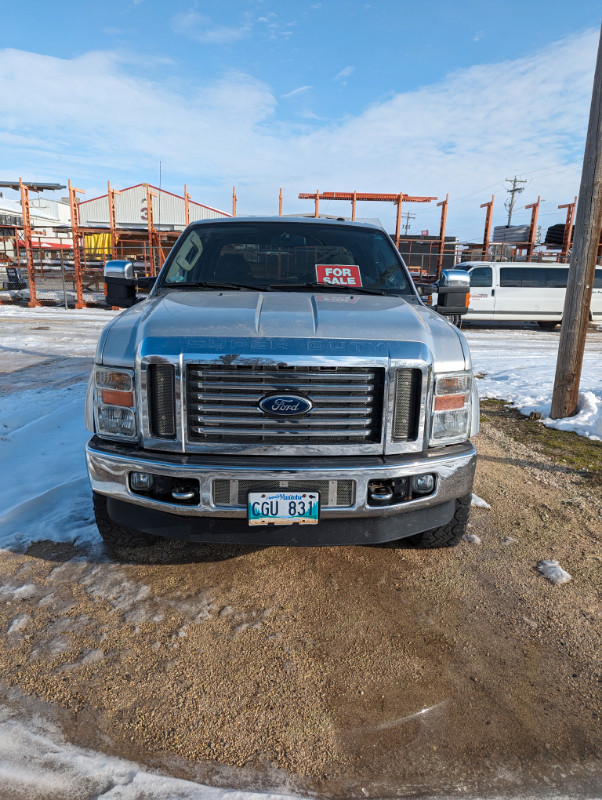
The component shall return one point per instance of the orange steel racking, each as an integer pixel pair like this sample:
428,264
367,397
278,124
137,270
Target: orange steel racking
488,220
33,300
75,234
533,227
443,205
112,219
568,227
354,196
186,206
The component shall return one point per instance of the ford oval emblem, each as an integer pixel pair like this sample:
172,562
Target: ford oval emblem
285,405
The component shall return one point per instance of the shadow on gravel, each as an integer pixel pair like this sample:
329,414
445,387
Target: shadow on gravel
169,552
540,464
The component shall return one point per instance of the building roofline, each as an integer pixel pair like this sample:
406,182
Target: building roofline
152,186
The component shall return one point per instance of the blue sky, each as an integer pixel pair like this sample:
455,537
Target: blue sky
422,97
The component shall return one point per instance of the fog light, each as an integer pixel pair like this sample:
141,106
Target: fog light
423,484
141,481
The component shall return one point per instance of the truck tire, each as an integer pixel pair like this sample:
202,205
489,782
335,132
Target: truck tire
447,535
113,535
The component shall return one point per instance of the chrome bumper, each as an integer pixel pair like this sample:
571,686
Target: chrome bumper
109,466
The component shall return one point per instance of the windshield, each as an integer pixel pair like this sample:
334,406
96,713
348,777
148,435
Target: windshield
286,256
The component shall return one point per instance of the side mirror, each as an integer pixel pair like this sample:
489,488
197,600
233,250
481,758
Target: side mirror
453,293
121,284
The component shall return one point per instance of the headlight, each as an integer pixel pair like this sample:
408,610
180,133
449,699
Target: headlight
451,412
114,403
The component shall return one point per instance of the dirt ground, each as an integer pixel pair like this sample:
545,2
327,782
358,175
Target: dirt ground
349,672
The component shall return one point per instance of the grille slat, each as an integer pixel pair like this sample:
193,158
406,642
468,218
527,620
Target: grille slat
310,421
284,384
272,436
255,398
222,404
278,375
227,409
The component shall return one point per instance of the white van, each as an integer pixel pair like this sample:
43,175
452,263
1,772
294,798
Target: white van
533,292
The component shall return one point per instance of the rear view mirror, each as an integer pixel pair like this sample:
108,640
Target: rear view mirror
453,292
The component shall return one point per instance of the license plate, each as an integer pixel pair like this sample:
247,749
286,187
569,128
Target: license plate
283,508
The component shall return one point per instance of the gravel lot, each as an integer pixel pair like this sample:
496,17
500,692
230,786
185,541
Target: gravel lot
366,671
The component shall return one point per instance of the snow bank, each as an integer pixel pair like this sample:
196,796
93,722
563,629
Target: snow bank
37,763
519,366
45,493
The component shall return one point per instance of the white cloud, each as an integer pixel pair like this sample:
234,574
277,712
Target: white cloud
300,90
343,74
201,29
94,118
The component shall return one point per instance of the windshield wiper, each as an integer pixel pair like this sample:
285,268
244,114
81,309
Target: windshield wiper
329,287
217,285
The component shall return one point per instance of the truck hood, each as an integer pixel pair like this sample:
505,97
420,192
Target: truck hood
234,322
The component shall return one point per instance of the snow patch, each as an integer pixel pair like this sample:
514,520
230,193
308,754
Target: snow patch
19,623
36,761
472,538
478,502
552,570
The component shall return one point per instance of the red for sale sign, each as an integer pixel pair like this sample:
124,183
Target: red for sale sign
339,274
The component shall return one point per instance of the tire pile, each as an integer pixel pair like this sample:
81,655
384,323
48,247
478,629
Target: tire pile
511,233
555,234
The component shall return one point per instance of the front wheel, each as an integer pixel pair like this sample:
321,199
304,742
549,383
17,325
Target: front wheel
448,535
113,535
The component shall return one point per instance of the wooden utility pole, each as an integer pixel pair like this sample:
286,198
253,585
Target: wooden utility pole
583,262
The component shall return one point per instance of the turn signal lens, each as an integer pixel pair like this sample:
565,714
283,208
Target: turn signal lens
112,397
449,402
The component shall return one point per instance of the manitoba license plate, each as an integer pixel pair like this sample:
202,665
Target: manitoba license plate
283,508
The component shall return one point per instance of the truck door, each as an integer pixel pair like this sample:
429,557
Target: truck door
482,293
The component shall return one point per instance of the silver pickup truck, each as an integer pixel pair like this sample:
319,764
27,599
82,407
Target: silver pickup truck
281,383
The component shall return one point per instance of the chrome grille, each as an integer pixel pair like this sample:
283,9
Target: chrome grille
333,494
222,403
407,404
161,379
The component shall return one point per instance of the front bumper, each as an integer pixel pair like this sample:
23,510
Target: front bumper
110,464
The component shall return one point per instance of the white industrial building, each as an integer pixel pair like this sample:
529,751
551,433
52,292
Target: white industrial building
48,217
131,209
